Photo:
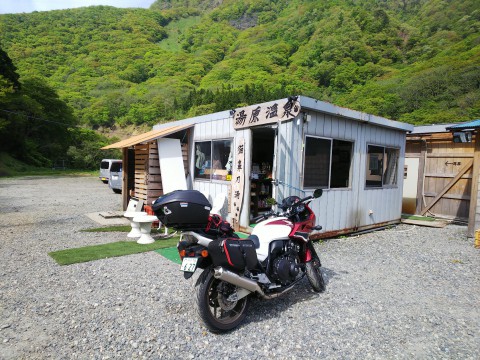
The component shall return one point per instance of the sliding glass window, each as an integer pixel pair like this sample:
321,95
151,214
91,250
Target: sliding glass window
382,166
327,163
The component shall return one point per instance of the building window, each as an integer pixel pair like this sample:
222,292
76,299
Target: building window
327,163
382,166
213,160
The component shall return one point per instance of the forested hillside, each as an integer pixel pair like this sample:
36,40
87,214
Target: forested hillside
410,60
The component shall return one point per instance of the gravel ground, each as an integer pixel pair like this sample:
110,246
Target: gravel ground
408,292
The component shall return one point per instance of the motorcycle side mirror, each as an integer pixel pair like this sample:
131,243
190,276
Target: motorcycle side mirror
317,193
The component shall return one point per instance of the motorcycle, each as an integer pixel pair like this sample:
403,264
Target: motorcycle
271,261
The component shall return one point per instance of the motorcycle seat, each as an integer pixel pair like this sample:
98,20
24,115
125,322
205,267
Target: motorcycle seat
255,240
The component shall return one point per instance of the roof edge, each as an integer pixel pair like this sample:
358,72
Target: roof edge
313,104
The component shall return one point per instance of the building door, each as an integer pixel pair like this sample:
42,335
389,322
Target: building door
262,170
410,183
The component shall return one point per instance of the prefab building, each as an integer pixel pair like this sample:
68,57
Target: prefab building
243,158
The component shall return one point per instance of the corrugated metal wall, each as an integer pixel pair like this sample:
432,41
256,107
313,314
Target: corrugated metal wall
347,208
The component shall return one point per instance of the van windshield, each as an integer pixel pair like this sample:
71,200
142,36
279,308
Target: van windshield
104,165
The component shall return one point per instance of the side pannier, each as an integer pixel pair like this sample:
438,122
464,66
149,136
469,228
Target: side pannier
234,254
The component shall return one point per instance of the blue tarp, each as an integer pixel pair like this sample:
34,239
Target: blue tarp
474,124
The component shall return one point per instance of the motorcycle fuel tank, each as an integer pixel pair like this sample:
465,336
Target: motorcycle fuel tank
269,230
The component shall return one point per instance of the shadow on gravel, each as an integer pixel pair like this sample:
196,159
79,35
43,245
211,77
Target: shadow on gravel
260,310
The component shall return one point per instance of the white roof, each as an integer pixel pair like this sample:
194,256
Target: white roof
431,129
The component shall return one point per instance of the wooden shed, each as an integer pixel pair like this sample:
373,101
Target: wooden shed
142,177
243,158
441,172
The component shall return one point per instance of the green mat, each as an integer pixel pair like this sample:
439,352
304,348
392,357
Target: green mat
96,252
417,217
171,253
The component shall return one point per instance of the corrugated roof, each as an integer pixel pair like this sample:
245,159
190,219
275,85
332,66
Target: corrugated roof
146,137
474,124
310,103
431,129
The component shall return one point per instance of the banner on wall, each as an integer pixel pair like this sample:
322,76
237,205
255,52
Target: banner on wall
238,183
266,113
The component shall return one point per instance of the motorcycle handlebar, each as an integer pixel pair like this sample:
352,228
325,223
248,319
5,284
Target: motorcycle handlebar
305,199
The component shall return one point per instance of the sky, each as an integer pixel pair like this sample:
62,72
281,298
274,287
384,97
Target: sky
19,6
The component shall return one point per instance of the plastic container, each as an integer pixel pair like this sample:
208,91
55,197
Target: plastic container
183,209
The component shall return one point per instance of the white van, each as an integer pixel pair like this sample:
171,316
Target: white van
105,166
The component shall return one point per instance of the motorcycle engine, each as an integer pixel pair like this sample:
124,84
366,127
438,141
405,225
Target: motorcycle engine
285,269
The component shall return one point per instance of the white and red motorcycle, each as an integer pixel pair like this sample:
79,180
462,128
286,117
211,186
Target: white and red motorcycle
271,261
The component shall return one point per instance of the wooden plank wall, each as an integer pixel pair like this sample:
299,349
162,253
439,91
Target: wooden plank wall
141,171
444,159
154,178
148,179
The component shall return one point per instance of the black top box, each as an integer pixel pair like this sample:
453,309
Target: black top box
183,209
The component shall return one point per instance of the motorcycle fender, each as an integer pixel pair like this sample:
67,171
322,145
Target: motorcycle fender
310,253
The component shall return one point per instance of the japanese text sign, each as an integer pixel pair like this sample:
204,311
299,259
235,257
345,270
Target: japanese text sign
266,113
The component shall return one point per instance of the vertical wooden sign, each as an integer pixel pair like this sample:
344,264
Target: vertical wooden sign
238,183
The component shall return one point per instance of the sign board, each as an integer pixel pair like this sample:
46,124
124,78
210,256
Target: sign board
171,165
266,113
238,183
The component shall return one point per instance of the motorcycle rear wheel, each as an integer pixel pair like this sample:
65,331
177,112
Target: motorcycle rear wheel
215,310
314,275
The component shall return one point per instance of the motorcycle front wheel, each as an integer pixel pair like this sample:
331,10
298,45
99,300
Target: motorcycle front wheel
314,275
216,304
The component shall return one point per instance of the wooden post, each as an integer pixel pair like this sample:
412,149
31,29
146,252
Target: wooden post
238,183
474,215
421,176
124,178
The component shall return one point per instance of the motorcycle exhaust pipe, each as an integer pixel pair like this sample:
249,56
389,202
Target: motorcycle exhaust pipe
237,280
240,281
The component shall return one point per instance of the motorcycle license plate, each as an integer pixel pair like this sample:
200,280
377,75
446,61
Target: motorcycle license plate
189,264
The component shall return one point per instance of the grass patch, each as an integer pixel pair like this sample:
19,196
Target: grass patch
114,228
123,228
97,252
175,30
10,167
